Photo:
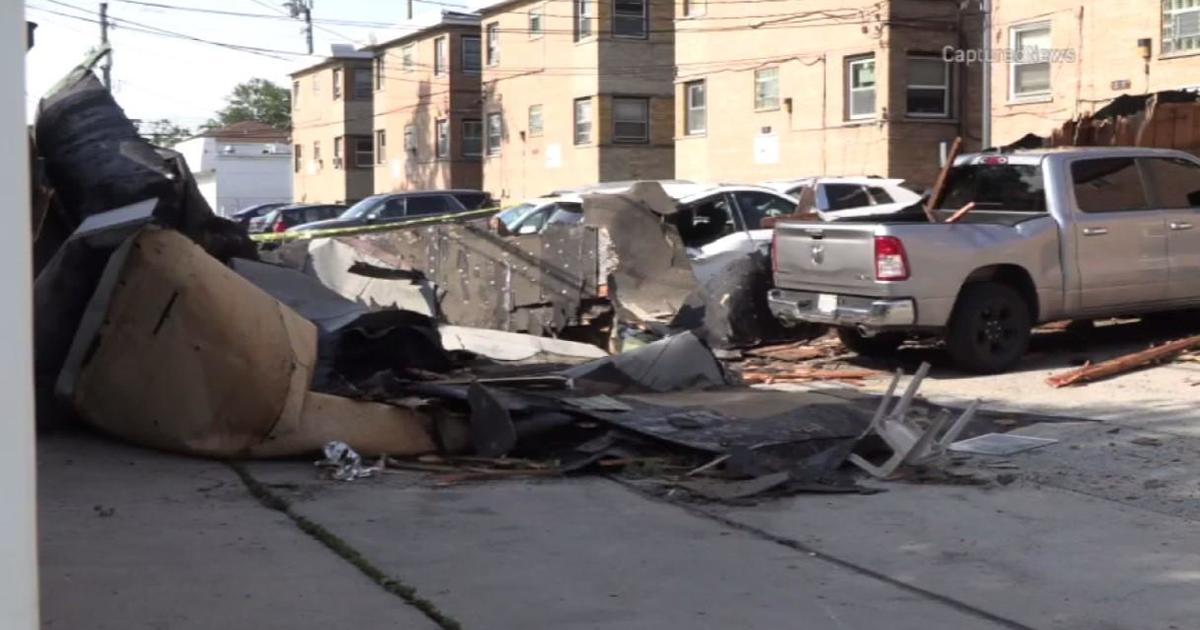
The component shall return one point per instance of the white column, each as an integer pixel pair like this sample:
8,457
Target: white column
18,516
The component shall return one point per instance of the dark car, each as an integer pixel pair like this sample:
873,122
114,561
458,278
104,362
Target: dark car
280,219
396,207
245,215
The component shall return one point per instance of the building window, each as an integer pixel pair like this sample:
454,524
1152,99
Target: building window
472,138
860,88
493,43
410,138
631,120
408,57
380,146
696,104
1181,26
337,83
439,55
583,120
766,88
317,153
928,93
583,19
1029,73
295,94
364,152
470,54
493,134
316,83
362,83
442,145
629,18
337,151
379,70
535,23
297,157
692,8
535,120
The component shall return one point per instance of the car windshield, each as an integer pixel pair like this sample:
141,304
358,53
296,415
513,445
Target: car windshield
1002,186
515,214
364,208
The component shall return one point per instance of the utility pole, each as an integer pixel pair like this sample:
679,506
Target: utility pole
985,122
302,9
106,69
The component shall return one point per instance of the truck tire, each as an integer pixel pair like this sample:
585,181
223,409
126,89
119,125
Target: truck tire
990,329
881,345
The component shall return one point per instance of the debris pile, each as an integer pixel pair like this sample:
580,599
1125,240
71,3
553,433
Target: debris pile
159,324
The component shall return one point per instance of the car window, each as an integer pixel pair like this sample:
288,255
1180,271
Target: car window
757,205
1176,182
423,205
1108,185
392,208
473,200
568,213
879,195
1001,186
368,207
705,221
535,221
843,196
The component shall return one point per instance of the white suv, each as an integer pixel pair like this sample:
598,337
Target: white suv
841,197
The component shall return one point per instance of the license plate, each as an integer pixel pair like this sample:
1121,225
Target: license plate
827,303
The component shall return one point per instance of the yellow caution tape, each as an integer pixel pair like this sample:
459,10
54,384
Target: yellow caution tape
275,237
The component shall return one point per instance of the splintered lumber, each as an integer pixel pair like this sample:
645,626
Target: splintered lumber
1123,364
753,378
939,186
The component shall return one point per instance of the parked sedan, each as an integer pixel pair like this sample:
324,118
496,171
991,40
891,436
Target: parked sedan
398,207
280,219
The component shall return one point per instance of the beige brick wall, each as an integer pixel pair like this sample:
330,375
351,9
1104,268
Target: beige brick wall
1104,37
552,70
810,133
419,98
319,118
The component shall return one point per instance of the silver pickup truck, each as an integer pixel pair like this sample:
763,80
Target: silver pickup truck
1079,233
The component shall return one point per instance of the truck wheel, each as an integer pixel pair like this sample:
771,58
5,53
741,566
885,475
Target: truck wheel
881,345
990,329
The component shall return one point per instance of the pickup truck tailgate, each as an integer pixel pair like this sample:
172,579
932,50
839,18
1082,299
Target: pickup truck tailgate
813,256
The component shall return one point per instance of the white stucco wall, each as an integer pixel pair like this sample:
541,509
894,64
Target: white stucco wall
233,175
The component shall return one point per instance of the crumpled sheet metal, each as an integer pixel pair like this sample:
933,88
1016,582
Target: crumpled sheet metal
679,362
649,275
180,353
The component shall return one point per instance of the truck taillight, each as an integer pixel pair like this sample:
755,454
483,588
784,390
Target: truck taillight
891,263
774,251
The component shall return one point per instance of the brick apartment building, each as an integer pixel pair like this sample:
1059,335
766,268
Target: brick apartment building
332,153
1098,51
576,93
428,130
770,90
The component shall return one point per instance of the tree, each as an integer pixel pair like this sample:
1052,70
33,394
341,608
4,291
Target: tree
256,99
163,132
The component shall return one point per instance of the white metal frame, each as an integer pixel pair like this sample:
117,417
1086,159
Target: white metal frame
947,87
690,108
851,90
1014,34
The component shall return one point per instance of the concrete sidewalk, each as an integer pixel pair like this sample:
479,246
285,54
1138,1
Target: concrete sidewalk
135,539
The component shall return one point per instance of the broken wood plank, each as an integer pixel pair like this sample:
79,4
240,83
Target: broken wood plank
939,186
1126,363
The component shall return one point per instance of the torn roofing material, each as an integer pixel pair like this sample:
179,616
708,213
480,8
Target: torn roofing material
649,276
